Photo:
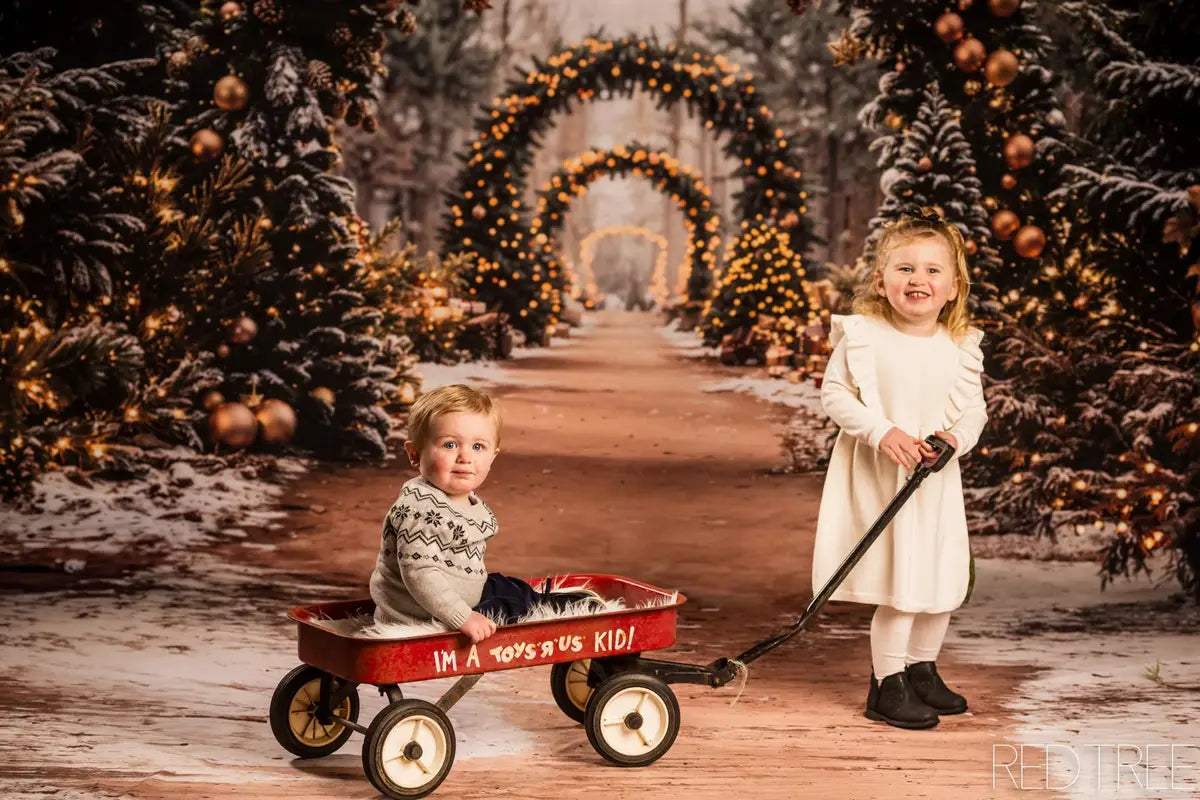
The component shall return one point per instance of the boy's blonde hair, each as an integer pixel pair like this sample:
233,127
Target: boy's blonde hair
448,400
954,314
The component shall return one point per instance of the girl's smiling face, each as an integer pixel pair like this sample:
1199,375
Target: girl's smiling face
918,280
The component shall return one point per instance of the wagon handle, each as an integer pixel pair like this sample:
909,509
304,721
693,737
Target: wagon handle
726,669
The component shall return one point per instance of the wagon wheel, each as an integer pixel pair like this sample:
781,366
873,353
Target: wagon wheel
409,749
294,715
632,719
569,685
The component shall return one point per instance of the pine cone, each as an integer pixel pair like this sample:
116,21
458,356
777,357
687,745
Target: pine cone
478,6
341,35
406,22
269,11
318,75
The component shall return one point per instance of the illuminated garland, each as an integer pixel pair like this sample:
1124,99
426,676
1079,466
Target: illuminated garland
680,182
486,215
658,282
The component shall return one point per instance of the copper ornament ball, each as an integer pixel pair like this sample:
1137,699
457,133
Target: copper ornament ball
243,331
1008,181
949,27
1029,241
211,400
1004,8
223,351
1004,224
233,425
230,93
969,54
324,394
1018,151
1002,68
925,164
478,212
277,419
230,10
207,144
970,246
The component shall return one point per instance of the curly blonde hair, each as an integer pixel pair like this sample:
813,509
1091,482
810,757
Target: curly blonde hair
909,228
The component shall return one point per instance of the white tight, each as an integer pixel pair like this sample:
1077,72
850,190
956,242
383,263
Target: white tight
900,637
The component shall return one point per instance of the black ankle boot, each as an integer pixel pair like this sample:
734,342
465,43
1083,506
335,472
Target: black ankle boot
894,701
924,678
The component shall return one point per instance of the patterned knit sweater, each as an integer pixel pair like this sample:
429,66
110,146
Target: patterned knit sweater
430,562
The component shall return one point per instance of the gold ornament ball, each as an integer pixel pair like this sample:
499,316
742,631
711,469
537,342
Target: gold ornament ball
211,400
949,27
1005,224
207,144
1002,68
230,10
324,394
277,419
893,120
1008,181
970,246
969,54
925,164
178,63
233,425
223,351
1004,8
230,93
478,212
1018,151
1029,241
243,331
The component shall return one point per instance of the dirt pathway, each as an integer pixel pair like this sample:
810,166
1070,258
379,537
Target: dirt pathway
615,460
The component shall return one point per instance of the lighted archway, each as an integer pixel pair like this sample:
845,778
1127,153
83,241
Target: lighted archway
680,182
485,214
658,279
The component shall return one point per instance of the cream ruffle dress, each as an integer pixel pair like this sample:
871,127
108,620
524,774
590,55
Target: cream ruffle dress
879,378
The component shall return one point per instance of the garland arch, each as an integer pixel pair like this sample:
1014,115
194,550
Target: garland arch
486,215
658,280
667,174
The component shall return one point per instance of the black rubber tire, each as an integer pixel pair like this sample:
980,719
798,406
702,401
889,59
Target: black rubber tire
377,734
606,692
281,709
563,674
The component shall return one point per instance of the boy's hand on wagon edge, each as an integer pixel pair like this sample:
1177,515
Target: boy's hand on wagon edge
478,627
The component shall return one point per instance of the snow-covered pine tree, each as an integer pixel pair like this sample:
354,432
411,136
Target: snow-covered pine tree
933,167
987,60
262,81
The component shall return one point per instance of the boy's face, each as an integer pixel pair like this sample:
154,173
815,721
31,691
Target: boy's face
919,279
458,454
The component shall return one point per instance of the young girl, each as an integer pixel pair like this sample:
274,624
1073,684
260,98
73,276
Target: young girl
904,366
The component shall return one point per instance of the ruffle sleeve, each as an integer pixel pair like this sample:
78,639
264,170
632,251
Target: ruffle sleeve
858,334
967,391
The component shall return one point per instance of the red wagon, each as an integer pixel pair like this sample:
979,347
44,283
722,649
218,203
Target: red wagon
598,679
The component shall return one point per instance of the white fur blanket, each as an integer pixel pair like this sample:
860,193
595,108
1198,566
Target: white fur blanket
364,626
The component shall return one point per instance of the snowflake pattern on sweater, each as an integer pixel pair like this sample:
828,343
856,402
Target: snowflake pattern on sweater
430,560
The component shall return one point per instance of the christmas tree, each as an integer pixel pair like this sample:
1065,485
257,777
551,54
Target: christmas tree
986,59
934,168
763,277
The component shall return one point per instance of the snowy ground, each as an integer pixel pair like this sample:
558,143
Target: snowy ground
1040,603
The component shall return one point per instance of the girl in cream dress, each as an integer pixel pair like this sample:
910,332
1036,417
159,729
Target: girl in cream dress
905,366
